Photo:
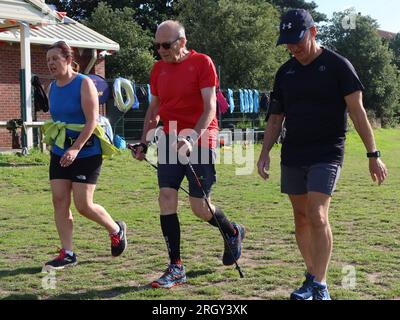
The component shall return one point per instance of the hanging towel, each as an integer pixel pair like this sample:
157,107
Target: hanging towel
246,100
264,102
136,102
222,104
241,96
256,99
231,101
148,93
251,102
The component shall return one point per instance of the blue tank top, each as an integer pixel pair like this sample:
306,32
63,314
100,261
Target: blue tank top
65,106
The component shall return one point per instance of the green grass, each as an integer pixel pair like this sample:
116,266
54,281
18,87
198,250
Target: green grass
364,217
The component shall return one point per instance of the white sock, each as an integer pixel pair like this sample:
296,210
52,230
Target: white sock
321,283
69,252
116,232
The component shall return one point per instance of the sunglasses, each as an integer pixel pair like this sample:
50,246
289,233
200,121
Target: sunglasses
165,45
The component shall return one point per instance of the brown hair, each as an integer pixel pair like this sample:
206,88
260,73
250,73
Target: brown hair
66,51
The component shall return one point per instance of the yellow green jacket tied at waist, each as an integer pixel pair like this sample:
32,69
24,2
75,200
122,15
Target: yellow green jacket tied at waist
54,133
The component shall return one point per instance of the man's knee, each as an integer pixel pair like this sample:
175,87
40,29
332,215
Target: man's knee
300,218
168,200
318,218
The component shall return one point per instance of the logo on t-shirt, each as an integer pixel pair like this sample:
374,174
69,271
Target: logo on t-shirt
291,71
322,68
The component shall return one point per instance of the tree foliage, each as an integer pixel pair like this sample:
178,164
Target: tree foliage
284,5
147,13
395,46
134,60
239,35
372,60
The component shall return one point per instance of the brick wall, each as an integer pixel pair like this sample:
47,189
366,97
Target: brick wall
10,62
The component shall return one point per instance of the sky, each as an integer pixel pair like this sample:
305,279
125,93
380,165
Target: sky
386,12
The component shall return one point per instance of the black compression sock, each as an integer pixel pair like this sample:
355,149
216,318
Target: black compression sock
226,226
172,234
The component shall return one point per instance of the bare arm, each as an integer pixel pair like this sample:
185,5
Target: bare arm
271,133
359,117
210,108
90,107
151,119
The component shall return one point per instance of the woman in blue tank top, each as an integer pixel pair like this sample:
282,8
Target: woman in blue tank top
74,169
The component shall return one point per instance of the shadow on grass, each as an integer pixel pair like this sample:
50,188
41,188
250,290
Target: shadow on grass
16,165
31,270
101,294
15,272
117,291
21,297
199,273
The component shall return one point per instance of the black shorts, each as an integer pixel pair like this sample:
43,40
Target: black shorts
170,175
83,170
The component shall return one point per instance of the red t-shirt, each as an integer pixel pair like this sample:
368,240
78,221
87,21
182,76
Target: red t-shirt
178,87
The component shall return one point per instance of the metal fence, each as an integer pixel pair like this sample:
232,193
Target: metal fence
130,124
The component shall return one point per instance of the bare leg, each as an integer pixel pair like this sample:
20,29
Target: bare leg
200,208
61,195
168,201
321,234
302,229
83,199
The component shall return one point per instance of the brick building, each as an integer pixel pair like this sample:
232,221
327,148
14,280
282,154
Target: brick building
87,45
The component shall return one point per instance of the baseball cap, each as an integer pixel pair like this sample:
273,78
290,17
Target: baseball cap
294,25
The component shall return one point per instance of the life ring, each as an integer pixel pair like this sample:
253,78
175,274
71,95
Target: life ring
119,84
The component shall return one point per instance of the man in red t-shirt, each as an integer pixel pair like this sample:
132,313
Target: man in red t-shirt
183,85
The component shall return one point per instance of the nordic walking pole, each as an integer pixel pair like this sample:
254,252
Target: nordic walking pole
212,213
133,147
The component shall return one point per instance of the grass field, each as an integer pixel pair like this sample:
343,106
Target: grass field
365,220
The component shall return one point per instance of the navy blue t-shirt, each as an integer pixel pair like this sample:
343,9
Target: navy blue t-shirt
312,100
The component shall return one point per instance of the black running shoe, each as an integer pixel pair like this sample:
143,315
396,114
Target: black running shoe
118,241
63,260
235,244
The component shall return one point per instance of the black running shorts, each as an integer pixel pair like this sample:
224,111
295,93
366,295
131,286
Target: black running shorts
172,173
83,170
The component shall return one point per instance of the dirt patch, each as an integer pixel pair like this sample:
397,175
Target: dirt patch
374,278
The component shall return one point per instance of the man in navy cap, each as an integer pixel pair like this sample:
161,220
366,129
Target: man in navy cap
313,92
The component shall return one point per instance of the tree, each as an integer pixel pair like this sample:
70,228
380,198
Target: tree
284,5
239,35
395,46
147,13
134,60
372,60
80,10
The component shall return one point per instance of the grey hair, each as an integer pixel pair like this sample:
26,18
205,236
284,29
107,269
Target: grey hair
176,25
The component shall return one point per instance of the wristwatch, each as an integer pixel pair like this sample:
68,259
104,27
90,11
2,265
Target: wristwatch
375,154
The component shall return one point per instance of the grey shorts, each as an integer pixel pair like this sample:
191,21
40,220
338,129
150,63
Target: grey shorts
320,177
